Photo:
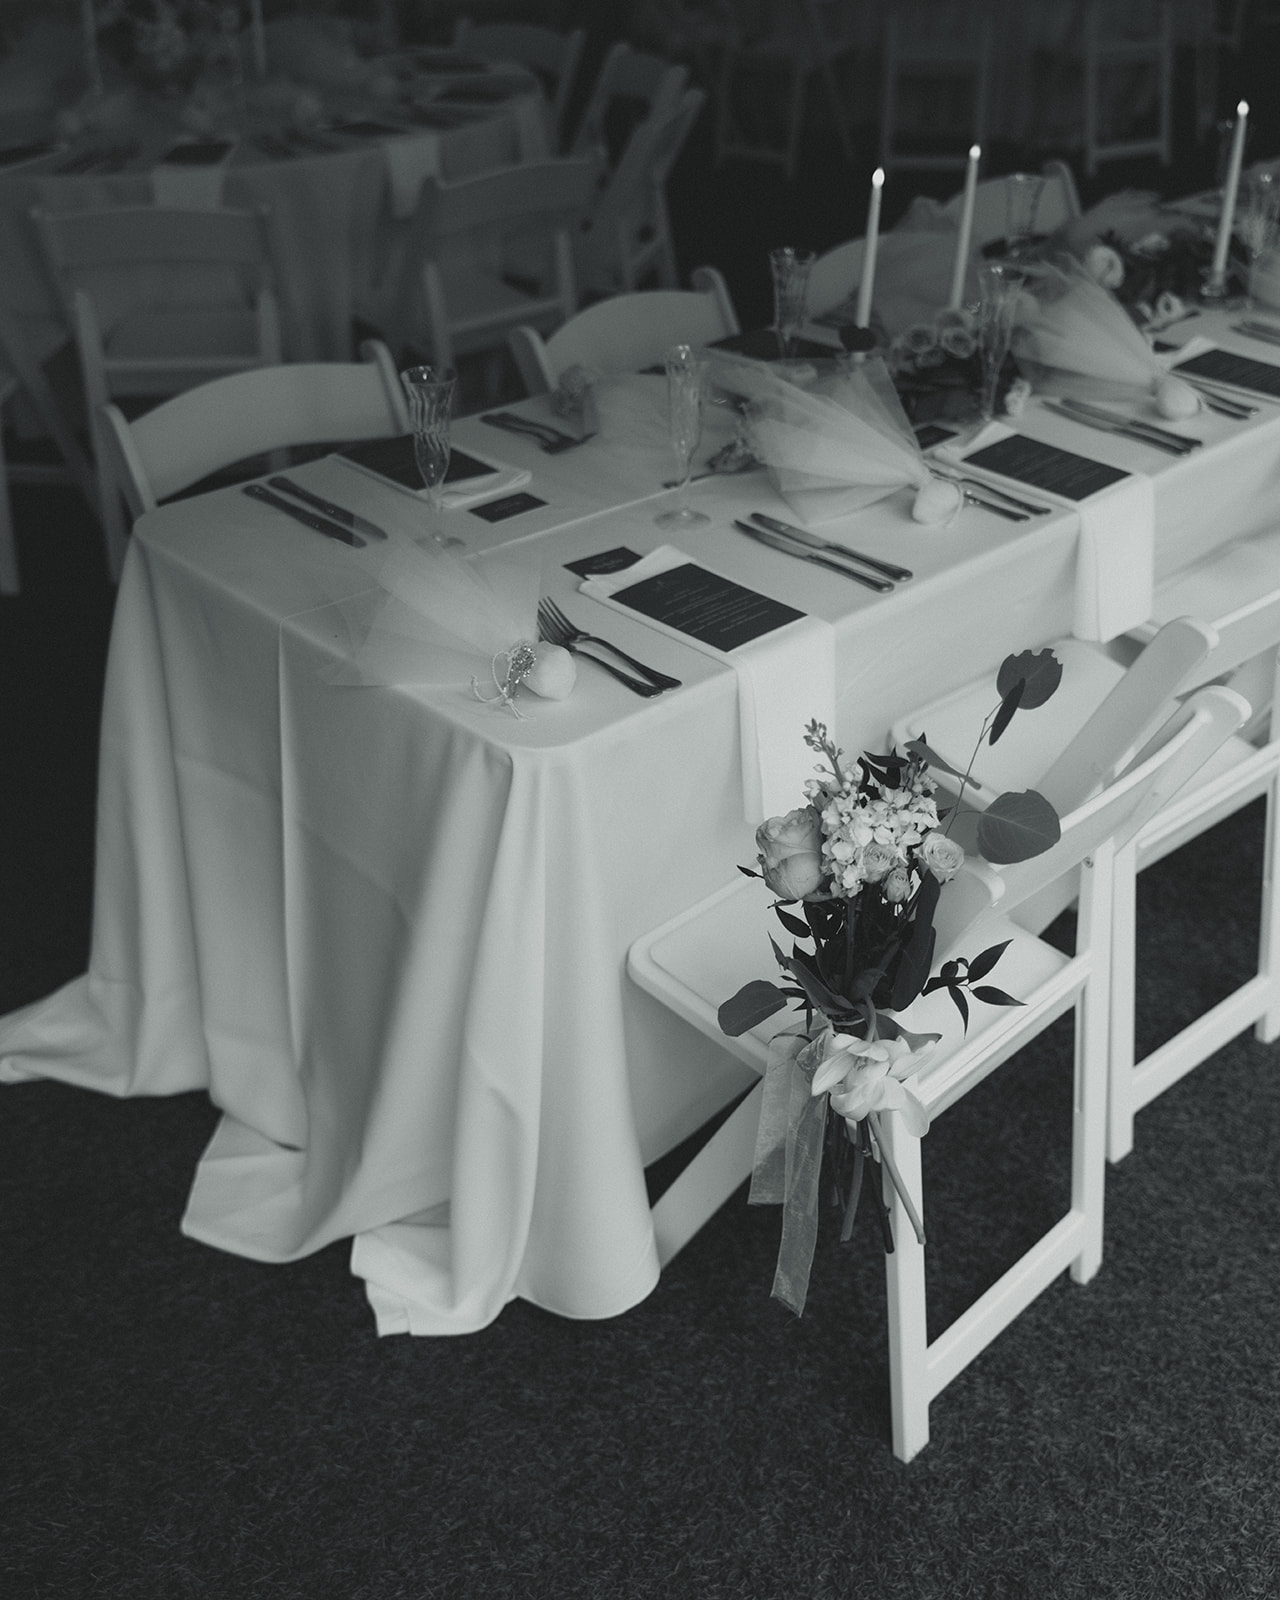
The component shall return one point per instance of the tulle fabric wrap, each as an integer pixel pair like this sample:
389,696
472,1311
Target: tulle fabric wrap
788,1160
1072,335
438,620
833,446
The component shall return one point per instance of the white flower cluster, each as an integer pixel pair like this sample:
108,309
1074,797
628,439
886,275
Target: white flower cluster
872,834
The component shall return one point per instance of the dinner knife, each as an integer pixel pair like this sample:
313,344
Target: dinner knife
982,486
331,530
788,547
1258,330
1115,426
790,531
1183,443
336,513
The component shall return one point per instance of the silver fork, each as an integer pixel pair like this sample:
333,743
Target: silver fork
557,629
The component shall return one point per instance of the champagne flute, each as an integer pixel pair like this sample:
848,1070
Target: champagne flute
429,391
999,284
1257,223
790,270
686,371
1022,191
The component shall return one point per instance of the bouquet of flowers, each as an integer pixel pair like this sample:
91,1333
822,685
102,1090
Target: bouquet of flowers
936,368
867,859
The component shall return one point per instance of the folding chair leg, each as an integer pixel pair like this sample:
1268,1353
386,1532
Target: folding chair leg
8,550
110,509
1093,1022
1121,1049
797,120
1268,1025
905,1288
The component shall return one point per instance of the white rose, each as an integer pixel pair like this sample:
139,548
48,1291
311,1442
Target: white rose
941,856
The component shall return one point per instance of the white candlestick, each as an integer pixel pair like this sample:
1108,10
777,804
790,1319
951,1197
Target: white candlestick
259,39
965,237
92,65
869,250
1226,221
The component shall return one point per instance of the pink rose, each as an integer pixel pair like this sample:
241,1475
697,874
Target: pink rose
791,853
940,855
897,886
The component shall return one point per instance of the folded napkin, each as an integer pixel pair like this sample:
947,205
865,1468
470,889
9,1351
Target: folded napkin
504,480
1071,335
1115,551
785,679
835,444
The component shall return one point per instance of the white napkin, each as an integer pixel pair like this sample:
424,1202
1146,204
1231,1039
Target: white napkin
506,480
785,679
1115,552
409,160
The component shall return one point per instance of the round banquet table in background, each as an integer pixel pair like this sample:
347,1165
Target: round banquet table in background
328,208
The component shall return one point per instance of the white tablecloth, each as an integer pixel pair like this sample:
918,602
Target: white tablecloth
386,928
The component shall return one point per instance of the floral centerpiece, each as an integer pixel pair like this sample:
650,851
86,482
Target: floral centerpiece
169,45
866,860
937,371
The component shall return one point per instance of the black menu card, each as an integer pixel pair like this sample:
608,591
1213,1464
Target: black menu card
1242,371
1045,466
705,606
762,345
394,459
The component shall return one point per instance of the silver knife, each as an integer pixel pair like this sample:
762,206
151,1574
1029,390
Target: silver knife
1258,330
1114,425
982,486
1179,441
789,531
309,519
336,513
789,547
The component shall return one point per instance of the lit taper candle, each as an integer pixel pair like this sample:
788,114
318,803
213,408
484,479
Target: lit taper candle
1218,272
965,237
867,285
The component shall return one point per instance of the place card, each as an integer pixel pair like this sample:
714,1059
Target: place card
930,433
714,610
1242,372
1046,466
510,505
615,560
394,459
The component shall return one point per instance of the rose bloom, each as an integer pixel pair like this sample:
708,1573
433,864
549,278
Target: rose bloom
1015,400
878,860
791,853
897,886
941,856
1104,266
959,342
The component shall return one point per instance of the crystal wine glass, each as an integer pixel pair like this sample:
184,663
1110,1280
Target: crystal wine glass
429,391
999,284
1022,191
1256,222
686,371
790,270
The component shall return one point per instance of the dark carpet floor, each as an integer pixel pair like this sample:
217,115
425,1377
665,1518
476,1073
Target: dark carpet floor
177,1422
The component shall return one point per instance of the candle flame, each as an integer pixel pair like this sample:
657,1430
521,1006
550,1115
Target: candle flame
1242,110
975,152
877,178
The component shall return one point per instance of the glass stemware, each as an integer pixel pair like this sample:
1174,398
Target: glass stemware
999,284
686,372
790,270
429,391
1257,223
1022,191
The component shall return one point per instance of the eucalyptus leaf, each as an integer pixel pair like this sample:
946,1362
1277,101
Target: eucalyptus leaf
1016,827
1040,671
1008,705
752,1004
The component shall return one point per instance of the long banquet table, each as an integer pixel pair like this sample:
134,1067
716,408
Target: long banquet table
385,927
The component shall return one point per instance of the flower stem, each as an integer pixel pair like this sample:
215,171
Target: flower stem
895,1177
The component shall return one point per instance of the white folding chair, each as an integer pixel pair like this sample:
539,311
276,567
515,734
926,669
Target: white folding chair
627,235
628,332
935,83
552,56
484,254
160,298
631,86
699,959
1058,203
764,70
247,414
1123,45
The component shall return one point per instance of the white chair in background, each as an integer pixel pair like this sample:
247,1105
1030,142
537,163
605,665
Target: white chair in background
696,961
158,299
1059,203
552,56
628,332
1219,40
251,413
482,255
627,236
795,44
631,86
834,277
1120,43
935,55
